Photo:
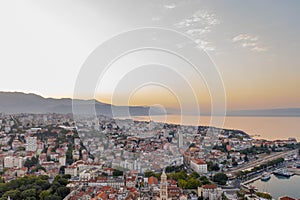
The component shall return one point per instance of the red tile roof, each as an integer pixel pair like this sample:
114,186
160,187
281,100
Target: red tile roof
198,161
152,180
209,186
286,198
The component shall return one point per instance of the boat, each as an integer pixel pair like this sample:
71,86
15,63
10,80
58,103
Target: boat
265,176
282,172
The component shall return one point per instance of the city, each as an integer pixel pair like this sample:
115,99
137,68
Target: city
149,100
106,158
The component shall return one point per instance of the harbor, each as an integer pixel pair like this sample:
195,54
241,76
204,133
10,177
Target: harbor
277,182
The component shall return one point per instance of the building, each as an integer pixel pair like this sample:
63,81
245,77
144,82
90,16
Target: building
163,187
31,144
180,139
210,192
199,166
9,162
62,160
286,198
72,170
12,161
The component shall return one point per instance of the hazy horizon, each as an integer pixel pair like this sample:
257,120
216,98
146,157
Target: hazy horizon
254,46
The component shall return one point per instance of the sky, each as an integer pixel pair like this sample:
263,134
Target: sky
252,47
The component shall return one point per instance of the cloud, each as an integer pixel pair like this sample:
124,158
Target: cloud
259,49
249,41
198,26
170,6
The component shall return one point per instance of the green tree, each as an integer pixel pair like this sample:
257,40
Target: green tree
52,197
193,183
264,195
28,193
180,175
13,194
194,175
43,184
204,180
66,176
44,194
149,174
44,177
117,173
63,191
220,178
182,184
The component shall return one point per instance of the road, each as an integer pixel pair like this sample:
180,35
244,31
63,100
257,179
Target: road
262,160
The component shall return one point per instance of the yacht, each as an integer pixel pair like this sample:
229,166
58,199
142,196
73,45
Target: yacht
282,172
265,176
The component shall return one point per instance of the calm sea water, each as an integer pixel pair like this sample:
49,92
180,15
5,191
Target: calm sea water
271,128
279,187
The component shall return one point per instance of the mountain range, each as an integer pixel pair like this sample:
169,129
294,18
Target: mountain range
18,102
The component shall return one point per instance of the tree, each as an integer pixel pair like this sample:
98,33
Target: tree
28,193
204,180
220,178
182,184
52,197
43,184
149,174
264,195
194,175
63,191
44,194
44,177
117,173
28,163
179,175
224,197
13,194
251,190
193,183
66,176
63,181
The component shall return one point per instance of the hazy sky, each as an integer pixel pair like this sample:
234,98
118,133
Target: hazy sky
254,44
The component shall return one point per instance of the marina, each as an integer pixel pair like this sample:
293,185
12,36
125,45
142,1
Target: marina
279,186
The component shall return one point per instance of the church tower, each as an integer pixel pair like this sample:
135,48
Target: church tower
163,186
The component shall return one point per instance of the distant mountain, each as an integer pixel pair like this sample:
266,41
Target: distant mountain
278,112
18,102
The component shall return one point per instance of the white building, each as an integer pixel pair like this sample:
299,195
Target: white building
199,166
180,139
72,170
11,161
62,160
31,144
18,162
8,162
210,192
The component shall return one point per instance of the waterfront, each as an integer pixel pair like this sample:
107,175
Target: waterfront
279,186
270,128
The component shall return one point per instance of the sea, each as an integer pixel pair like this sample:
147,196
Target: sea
280,186
269,128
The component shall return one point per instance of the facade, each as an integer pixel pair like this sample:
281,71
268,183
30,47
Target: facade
210,192
163,187
72,170
199,166
180,140
9,162
31,144
62,160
